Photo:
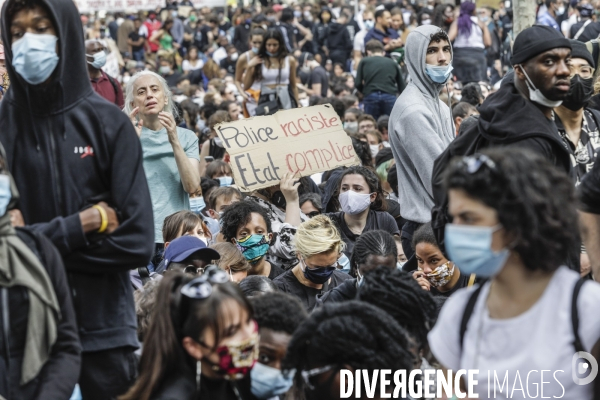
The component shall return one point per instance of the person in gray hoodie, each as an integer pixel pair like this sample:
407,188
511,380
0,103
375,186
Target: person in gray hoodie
421,126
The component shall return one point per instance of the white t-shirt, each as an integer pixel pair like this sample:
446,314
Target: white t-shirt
539,339
187,66
359,40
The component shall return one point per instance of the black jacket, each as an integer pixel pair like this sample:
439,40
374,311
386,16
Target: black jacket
68,148
346,291
241,35
338,39
57,378
588,192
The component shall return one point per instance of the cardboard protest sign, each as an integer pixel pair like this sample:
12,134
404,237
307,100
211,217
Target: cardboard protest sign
304,140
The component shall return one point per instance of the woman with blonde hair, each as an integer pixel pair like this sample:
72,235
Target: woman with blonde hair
318,246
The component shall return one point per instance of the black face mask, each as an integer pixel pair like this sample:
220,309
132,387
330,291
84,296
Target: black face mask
278,199
580,93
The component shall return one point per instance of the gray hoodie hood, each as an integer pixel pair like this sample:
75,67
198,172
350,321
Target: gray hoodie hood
420,129
416,51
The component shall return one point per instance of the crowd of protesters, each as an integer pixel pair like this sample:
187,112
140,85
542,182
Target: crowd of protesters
133,267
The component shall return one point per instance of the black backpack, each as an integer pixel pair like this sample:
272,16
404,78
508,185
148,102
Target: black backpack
574,315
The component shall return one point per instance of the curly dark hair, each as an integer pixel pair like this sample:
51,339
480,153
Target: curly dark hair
374,185
363,151
379,243
398,294
278,311
435,37
534,200
352,333
239,214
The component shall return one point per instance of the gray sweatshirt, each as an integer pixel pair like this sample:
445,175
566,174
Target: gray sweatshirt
420,128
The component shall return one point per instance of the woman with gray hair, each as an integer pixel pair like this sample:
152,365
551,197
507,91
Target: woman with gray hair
171,155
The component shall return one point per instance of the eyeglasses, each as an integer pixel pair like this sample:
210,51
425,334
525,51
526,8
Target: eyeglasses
475,162
201,287
583,71
312,373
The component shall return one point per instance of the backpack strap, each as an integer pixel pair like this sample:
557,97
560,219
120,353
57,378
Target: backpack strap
144,274
575,316
467,314
114,85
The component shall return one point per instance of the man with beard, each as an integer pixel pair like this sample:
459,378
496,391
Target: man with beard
520,114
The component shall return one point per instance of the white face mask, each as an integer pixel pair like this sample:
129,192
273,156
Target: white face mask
351,126
536,95
426,22
234,57
374,149
354,203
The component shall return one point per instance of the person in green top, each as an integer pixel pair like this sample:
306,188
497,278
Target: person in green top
163,38
170,154
379,80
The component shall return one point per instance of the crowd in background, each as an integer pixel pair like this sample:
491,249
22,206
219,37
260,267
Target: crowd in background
134,266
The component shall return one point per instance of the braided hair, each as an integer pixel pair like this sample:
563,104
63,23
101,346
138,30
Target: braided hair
378,243
352,333
397,293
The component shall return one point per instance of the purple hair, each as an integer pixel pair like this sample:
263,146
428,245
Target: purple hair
464,20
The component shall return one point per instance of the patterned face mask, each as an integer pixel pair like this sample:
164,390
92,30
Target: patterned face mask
253,247
236,360
441,275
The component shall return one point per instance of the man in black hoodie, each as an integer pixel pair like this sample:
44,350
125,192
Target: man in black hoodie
77,163
338,41
519,114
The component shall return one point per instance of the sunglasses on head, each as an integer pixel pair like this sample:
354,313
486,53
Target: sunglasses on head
201,287
475,162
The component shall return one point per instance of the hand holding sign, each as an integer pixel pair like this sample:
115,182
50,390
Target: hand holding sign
298,141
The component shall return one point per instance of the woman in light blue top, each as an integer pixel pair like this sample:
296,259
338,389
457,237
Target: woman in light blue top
171,156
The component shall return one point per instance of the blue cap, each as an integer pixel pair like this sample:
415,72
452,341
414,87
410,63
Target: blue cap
184,246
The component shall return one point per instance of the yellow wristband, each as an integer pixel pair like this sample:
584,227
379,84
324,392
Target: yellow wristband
103,217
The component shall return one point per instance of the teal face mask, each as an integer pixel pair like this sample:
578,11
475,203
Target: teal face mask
253,247
470,248
34,57
439,74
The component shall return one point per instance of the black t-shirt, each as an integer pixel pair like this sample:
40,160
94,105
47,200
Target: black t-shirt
173,78
135,36
275,271
319,75
288,283
377,220
228,65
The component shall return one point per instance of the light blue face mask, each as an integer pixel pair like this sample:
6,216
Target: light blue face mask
225,180
255,50
99,59
5,193
213,226
400,265
197,204
268,382
34,57
439,74
271,54
344,263
470,248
